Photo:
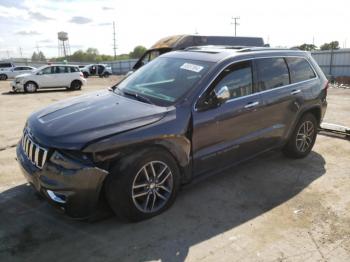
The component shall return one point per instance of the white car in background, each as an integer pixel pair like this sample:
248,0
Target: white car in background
15,71
50,76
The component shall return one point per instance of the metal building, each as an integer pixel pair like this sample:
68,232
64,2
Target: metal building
333,62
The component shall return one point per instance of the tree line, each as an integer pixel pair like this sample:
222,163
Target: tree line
92,55
326,46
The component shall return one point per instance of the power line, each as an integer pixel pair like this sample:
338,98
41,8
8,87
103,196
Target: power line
235,23
114,43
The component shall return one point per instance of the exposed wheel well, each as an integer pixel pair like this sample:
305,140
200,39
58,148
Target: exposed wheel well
316,113
30,81
138,150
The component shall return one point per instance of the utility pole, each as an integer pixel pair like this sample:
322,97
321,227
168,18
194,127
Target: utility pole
235,23
37,47
114,44
8,54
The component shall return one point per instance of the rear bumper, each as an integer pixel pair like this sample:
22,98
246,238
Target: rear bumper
83,81
67,184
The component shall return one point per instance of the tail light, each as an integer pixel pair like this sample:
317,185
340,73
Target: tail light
326,87
81,74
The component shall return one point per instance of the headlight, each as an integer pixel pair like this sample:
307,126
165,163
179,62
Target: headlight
60,156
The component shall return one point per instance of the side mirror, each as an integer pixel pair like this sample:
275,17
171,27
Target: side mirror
222,95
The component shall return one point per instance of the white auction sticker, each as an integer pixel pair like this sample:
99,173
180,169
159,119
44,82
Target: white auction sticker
192,67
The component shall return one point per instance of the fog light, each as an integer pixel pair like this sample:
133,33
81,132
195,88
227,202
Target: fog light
59,198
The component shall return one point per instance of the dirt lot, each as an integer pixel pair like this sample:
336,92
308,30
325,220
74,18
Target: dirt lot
270,209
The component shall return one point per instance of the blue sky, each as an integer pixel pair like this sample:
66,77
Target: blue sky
27,24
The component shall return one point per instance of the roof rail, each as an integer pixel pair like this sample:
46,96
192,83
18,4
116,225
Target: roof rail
238,48
250,49
214,47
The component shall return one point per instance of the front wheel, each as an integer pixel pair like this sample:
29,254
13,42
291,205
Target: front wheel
143,185
303,138
30,87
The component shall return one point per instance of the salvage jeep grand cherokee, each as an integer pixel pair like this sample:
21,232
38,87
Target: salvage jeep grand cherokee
184,114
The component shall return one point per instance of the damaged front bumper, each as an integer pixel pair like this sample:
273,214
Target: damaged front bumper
68,184
17,86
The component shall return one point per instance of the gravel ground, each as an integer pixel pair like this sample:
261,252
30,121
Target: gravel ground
269,209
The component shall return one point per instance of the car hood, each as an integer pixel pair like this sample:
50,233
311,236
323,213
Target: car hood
73,123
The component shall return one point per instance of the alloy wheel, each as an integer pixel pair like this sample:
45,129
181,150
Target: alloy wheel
152,187
305,136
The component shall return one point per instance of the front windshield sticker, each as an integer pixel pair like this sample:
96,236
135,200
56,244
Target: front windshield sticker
192,67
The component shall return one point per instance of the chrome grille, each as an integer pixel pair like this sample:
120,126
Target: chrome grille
35,153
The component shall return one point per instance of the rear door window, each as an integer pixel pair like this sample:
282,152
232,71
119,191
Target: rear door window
300,69
272,73
60,69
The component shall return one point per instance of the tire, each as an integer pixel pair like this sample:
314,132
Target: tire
86,75
3,77
30,87
303,137
75,85
106,75
131,196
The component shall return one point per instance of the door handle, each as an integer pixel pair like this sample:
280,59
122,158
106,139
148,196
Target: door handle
251,105
294,92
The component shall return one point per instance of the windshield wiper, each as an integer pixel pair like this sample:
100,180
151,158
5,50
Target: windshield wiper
137,96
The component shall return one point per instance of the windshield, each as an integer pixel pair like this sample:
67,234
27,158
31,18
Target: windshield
164,80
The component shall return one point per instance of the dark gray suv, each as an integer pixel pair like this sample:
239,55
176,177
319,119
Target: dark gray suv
185,114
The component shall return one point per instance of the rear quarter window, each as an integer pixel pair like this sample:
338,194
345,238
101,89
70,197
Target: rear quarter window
74,69
272,73
300,69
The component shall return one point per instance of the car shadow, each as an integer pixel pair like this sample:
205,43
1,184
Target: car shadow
30,229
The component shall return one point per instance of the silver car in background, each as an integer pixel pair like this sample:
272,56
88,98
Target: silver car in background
15,71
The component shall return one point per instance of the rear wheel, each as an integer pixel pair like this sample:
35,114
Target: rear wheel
303,138
143,186
75,85
3,77
30,87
